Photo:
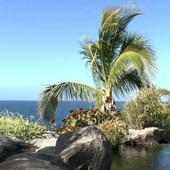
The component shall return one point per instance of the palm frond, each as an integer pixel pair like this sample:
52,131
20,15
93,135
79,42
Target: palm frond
137,43
127,15
122,64
141,46
163,92
64,91
128,81
114,24
111,35
91,52
135,54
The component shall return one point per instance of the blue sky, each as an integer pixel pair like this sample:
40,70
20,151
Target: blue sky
40,41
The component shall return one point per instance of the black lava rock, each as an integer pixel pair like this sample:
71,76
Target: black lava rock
85,149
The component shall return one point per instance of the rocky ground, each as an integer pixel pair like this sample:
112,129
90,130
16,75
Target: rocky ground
86,148
147,137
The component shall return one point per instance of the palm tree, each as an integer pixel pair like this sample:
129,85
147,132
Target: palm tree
119,61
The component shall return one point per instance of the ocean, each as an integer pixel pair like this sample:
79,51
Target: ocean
29,109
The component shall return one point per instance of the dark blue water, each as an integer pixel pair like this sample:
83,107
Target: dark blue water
29,108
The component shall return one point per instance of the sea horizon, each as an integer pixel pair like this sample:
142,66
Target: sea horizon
29,108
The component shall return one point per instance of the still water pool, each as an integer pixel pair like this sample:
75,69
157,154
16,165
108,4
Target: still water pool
145,159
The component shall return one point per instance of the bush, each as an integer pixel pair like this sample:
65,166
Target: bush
81,118
115,130
15,126
84,117
147,110
112,126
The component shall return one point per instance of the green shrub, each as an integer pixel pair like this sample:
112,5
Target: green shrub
15,126
115,130
112,126
84,117
65,129
81,118
147,110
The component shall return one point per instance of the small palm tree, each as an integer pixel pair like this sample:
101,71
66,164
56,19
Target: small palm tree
119,61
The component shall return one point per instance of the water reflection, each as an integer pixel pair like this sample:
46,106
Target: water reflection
142,159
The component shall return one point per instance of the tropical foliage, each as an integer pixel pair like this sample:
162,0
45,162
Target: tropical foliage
66,90
84,117
18,127
115,130
120,61
148,110
81,118
113,127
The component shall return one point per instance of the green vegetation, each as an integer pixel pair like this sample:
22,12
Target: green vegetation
113,127
120,62
84,117
81,118
18,127
148,110
115,130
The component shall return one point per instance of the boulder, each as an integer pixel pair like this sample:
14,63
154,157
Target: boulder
47,151
147,137
46,145
162,136
86,148
30,161
10,147
44,142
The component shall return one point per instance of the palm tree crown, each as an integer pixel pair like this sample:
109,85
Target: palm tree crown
119,61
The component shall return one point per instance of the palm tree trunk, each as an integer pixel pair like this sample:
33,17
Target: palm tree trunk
109,104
